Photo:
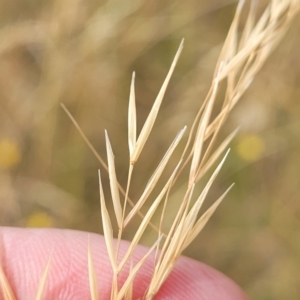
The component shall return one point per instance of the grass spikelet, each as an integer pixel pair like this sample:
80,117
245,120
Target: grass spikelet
107,228
191,217
92,274
154,111
204,218
215,155
132,117
113,181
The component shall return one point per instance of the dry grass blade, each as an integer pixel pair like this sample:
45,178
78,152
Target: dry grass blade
132,117
5,286
154,111
200,135
113,182
42,283
107,228
92,274
190,219
212,159
204,219
147,218
175,248
155,177
135,270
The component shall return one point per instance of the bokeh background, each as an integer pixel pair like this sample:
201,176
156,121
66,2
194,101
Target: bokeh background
82,53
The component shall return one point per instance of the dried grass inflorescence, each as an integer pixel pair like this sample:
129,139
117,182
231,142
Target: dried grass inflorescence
242,56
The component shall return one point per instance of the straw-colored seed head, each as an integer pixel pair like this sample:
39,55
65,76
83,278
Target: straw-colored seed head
242,56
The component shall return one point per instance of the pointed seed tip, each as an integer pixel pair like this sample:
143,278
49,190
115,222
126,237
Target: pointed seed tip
225,156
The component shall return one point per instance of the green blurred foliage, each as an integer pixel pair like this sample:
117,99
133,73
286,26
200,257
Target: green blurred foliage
82,53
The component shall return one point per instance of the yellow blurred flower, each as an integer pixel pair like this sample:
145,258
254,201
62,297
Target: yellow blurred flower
10,154
39,219
250,147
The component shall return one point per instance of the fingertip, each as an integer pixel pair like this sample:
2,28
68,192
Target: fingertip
25,253
191,279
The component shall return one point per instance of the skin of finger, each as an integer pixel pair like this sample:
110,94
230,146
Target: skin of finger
25,252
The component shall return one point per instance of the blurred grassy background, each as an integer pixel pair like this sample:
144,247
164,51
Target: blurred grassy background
82,53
